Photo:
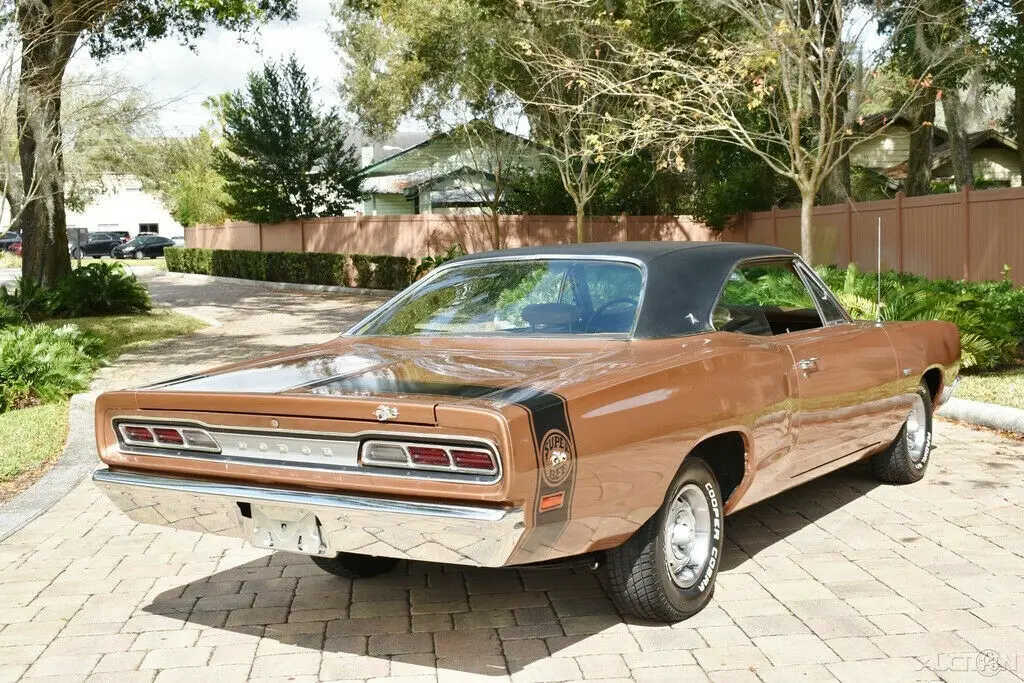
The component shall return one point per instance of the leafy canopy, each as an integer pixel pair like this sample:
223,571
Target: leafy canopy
283,157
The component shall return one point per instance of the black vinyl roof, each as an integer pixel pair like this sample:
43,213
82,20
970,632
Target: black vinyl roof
684,279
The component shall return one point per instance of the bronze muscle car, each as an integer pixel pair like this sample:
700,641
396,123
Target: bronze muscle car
609,400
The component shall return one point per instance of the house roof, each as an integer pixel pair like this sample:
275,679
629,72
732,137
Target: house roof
942,153
384,148
420,156
872,123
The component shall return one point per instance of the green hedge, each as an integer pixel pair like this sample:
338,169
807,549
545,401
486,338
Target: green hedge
370,272
383,272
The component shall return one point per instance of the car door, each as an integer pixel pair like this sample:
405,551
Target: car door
846,373
844,370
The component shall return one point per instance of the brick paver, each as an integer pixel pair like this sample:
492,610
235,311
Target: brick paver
840,579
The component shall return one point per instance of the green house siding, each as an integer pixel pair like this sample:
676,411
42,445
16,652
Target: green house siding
380,204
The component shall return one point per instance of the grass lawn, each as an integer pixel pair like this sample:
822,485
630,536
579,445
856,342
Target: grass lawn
30,440
124,332
1005,387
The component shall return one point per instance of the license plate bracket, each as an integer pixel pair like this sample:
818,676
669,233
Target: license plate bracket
289,529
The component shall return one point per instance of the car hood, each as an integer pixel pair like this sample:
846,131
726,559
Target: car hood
359,367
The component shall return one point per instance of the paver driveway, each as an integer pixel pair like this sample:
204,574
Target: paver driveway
841,578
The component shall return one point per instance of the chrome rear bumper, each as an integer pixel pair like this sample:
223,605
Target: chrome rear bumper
433,532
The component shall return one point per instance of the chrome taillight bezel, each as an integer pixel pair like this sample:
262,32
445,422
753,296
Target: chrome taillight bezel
185,446
366,459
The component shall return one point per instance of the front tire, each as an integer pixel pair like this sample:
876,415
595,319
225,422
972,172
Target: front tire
906,459
350,566
666,571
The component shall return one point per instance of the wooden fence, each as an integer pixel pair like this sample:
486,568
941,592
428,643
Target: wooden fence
970,234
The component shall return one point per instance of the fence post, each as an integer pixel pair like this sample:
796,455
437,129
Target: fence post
259,236
849,231
899,231
775,226
966,205
302,235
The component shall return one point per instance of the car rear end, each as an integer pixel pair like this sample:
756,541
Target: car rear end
403,478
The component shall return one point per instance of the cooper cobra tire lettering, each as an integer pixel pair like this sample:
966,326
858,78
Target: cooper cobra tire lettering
716,533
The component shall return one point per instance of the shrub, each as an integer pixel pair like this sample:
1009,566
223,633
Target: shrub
182,260
990,315
307,268
247,265
102,288
383,272
428,263
41,364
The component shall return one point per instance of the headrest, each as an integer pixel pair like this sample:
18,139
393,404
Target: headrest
545,315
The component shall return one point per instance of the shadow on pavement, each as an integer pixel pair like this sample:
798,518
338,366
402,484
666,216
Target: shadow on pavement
480,621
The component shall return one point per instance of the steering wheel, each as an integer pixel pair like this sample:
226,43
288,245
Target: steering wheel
632,301
608,304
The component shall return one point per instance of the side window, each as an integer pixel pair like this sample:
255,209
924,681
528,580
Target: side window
830,308
765,299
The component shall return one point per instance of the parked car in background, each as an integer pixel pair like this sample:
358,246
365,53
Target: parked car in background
122,235
9,238
15,248
96,244
142,246
608,401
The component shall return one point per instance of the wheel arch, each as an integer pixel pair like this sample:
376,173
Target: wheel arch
934,380
727,453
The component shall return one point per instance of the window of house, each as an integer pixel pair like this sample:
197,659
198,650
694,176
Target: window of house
149,228
765,299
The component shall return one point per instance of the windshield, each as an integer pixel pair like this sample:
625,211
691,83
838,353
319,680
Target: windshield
515,297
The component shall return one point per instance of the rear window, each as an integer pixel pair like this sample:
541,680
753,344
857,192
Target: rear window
543,297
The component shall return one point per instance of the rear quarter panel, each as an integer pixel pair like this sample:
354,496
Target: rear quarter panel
637,415
922,347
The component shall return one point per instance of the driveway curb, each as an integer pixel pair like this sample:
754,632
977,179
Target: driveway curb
77,461
284,286
982,414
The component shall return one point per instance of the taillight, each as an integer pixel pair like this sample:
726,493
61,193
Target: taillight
429,456
140,434
168,436
435,457
473,460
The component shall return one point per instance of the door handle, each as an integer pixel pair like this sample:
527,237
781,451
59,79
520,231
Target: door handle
807,365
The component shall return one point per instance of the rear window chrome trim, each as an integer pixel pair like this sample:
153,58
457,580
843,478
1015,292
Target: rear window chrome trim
356,438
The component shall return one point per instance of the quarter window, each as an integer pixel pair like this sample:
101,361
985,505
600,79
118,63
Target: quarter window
765,299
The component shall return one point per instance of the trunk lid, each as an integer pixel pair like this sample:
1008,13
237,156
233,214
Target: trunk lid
398,380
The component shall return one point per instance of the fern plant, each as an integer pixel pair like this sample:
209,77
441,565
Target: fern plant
41,364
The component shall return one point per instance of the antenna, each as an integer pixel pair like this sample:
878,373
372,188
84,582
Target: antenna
878,275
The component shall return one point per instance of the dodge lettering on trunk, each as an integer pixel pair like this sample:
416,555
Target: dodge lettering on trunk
613,401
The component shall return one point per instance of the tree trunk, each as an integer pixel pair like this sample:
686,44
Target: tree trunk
496,228
46,50
806,219
919,165
963,168
581,227
1018,115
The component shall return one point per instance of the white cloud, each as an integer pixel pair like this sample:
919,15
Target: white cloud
219,62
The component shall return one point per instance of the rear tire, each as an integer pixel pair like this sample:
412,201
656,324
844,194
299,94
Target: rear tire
666,571
350,566
906,459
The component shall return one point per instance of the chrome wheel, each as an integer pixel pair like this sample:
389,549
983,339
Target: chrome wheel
917,429
687,536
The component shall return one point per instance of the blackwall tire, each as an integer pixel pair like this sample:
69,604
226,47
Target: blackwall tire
905,461
666,571
350,566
